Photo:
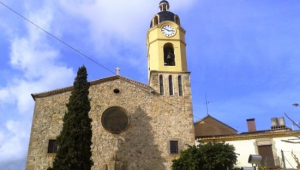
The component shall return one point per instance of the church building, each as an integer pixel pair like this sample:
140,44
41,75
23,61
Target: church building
135,126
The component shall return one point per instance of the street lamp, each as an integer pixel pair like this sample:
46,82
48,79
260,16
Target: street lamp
254,160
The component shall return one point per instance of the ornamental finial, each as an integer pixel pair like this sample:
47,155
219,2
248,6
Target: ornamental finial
164,5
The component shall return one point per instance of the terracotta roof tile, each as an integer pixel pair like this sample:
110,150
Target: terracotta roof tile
209,116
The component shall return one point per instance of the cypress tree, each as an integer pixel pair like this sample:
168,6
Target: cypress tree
74,141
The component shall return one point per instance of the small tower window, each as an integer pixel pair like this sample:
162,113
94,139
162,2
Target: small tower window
169,56
161,85
177,20
155,21
174,147
179,86
171,85
52,146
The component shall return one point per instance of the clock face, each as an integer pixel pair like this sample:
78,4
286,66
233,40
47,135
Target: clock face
168,30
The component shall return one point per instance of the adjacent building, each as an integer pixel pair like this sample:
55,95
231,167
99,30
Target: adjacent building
278,145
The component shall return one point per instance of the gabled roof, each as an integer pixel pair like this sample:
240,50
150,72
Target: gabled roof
95,82
210,117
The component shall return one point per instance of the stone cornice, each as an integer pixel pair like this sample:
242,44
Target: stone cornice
170,72
269,134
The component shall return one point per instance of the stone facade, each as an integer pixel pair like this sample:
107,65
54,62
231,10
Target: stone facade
155,120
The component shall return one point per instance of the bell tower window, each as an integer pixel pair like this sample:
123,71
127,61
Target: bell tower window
169,56
171,85
177,20
161,85
179,86
155,21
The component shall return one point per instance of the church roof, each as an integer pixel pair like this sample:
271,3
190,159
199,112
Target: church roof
95,82
210,117
165,14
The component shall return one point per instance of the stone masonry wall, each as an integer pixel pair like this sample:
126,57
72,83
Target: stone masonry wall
143,146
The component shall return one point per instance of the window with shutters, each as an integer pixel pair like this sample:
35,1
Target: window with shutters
174,147
52,146
265,151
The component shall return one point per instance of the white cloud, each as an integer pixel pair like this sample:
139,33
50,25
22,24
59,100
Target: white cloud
112,26
37,62
12,148
117,24
36,69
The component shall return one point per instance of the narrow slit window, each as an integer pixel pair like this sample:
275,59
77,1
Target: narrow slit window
171,85
174,147
177,20
52,147
161,85
155,20
179,86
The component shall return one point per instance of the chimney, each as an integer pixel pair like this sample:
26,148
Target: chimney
281,121
251,125
278,123
274,122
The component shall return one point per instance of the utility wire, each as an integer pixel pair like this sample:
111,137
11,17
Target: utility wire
53,36
82,54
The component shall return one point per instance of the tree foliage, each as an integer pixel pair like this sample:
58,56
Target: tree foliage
74,141
206,156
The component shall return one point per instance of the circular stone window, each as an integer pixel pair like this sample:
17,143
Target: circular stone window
115,120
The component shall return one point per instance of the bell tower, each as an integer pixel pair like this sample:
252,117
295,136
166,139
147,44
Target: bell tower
167,64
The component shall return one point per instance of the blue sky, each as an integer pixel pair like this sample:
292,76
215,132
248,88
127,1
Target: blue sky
244,55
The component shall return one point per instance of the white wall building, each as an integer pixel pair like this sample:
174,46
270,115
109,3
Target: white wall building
275,145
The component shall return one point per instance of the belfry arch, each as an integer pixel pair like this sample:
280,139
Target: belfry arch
176,19
169,56
155,20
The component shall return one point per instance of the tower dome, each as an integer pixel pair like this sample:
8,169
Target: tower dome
164,14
